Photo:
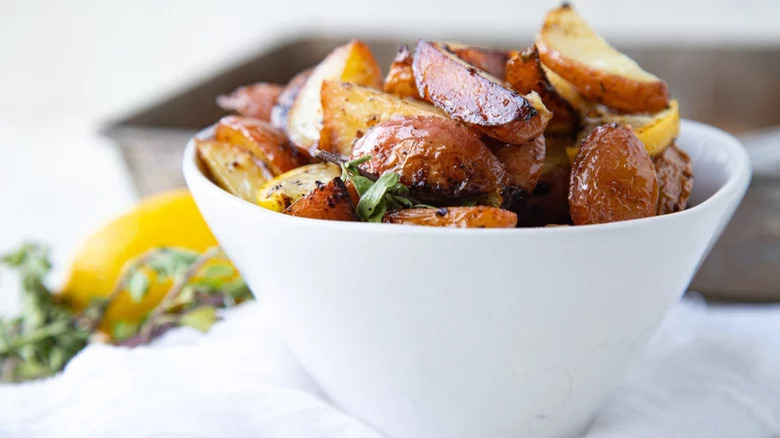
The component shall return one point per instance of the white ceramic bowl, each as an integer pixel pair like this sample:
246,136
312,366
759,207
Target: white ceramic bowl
434,332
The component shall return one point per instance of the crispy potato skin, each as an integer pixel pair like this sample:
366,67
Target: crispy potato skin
350,110
612,178
490,61
264,141
329,201
436,157
454,217
675,179
525,74
476,98
400,78
233,168
286,99
559,43
254,100
523,163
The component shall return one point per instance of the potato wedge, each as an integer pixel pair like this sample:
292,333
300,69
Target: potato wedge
491,61
675,179
280,192
286,99
400,77
329,201
568,46
255,100
436,157
523,163
656,131
352,62
612,179
233,168
478,216
266,142
525,74
349,110
476,98
549,201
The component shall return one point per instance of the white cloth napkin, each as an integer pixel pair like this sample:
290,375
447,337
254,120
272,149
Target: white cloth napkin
710,372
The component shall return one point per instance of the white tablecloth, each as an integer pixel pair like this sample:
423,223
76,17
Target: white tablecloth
709,372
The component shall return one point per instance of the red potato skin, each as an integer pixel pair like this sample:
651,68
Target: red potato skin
523,163
254,100
436,157
475,98
330,201
267,143
613,178
675,179
400,77
490,61
286,99
454,217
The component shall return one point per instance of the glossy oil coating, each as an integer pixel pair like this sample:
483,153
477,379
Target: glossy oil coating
523,163
675,179
329,201
478,216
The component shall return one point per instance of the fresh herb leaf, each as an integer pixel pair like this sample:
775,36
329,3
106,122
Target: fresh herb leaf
218,271
200,318
137,285
374,198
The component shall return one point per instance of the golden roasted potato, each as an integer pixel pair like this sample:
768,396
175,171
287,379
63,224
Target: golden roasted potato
491,61
349,110
525,74
266,142
280,192
329,201
352,62
476,98
233,168
568,46
523,163
612,178
478,216
286,99
400,78
436,157
675,179
549,201
254,100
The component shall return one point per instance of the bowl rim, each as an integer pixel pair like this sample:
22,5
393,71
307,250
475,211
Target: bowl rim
735,184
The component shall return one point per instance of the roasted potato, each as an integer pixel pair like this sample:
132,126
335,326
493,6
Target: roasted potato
254,100
523,163
280,192
675,179
400,78
568,46
476,98
454,217
612,179
264,141
490,61
286,99
349,110
329,201
436,157
352,62
233,168
549,201
525,74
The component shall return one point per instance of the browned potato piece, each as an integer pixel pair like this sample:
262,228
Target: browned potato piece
286,100
523,163
612,178
549,201
474,97
233,168
349,110
436,157
264,141
352,62
400,78
254,100
330,201
478,216
525,73
675,179
569,47
490,61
